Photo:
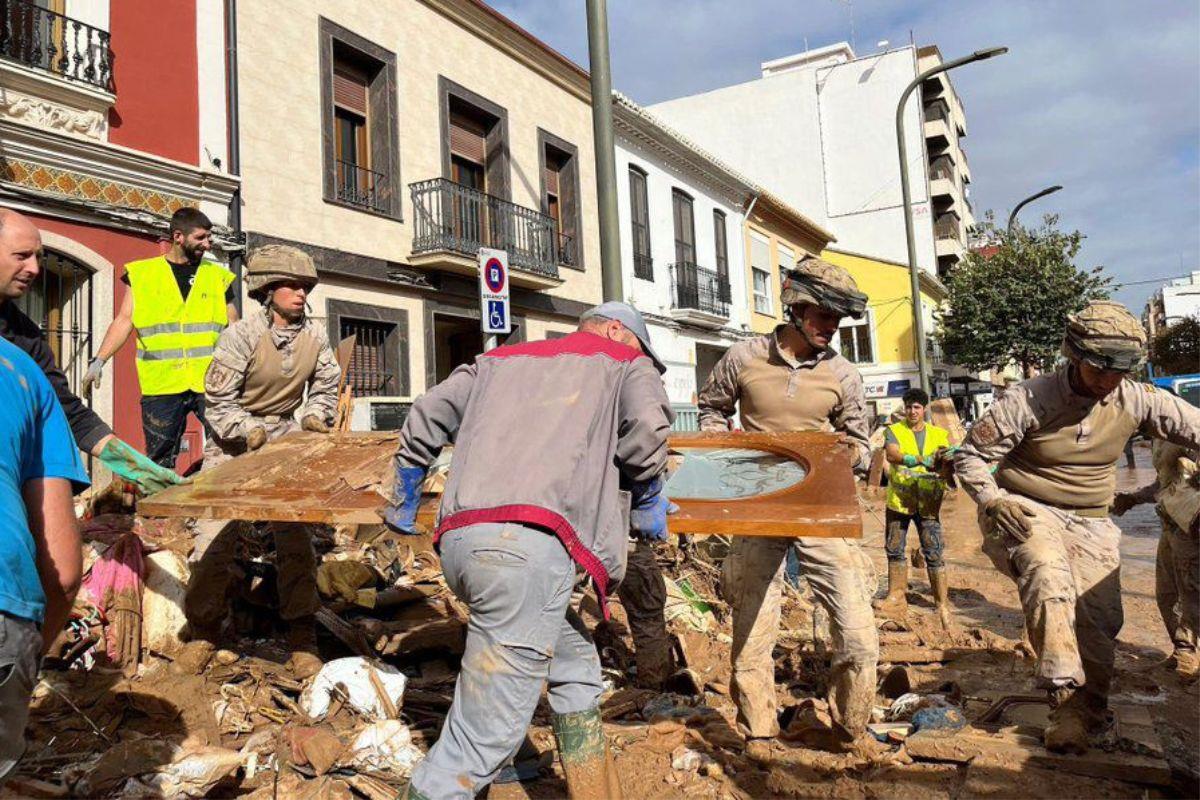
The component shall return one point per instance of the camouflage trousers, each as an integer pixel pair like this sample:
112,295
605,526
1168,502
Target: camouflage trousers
752,582
644,597
1176,577
1068,575
214,550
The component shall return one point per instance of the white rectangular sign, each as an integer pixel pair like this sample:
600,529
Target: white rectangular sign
493,291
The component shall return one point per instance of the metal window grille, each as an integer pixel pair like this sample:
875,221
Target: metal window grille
61,303
371,372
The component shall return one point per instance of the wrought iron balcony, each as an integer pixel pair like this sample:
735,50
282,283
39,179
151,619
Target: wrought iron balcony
458,219
696,288
45,40
360,186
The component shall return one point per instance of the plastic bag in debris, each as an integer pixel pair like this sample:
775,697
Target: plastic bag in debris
386,746
354,674
906,707
683,603
197,771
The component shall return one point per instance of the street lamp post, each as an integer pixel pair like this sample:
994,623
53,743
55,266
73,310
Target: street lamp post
1012,218
906,192
606,158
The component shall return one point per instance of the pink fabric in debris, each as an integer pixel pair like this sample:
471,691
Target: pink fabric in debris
115,581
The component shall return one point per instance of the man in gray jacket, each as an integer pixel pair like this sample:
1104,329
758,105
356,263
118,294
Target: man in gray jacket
547,435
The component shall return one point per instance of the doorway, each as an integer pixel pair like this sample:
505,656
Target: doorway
457,341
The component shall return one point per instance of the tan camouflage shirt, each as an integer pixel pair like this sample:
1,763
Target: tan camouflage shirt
771,391
239,353
1060,448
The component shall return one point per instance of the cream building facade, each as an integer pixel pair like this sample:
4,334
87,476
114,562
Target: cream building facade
392,141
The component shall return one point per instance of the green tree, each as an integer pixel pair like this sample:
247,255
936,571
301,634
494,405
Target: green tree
1008,301
1176,348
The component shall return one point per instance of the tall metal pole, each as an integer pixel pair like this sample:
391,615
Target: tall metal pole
606,159
1012,218
906,192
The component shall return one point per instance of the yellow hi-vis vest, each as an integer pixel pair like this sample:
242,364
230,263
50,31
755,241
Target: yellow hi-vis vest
902,478
176,336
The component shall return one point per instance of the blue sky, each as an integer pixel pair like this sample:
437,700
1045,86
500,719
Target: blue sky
1101,96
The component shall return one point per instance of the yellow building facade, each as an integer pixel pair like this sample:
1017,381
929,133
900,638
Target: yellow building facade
776,238
881,345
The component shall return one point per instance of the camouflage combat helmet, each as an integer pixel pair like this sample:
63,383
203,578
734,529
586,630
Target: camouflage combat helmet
1106,336
273,263
829,286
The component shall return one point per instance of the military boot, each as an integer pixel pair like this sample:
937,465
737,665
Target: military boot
587,764
1187,665
1068,728
941,594
302,641
895,604
194,656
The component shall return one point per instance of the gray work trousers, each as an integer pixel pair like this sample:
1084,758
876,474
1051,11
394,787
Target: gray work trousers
522,634
20,652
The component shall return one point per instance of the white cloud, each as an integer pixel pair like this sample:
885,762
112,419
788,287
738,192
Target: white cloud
1102,97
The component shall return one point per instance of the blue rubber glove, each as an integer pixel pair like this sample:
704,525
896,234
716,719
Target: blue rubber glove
928,462
401,513
648,510
911,461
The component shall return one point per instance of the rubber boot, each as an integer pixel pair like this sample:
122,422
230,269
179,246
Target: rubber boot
587,764
302,641
895,604
1068,728
941,594
194,656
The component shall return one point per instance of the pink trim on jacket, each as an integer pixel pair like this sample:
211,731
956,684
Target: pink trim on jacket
580,343
542,518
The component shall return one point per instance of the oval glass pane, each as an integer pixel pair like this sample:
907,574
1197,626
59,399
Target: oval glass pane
725,473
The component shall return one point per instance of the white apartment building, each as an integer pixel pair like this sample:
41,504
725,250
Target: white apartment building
683,261
819,128
1174,301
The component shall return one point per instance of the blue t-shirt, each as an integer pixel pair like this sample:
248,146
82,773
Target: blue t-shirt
35,442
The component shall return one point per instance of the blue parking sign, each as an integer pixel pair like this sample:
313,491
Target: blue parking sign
497,317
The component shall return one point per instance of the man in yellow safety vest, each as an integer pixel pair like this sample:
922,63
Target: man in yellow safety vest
914,494
178,304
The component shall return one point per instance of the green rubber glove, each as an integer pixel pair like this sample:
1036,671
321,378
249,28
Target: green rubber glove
128,463
910,461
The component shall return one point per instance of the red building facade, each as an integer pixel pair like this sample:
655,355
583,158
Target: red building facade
113,115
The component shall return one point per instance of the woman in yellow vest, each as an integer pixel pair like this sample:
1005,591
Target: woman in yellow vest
177,304
912,446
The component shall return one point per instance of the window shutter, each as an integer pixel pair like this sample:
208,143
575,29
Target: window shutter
552,177
350,89
467,138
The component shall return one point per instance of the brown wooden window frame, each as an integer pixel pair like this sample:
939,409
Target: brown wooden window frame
453,98
569,196
639,225
380,131
394,346
681,199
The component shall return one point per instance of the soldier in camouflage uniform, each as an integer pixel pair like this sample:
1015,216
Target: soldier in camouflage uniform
268,370
791,380
1054,441
1176,494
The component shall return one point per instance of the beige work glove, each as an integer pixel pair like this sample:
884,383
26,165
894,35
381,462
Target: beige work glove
312,422
1010,518
256,438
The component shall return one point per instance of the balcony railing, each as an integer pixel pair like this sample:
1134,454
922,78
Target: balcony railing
45,40
643,266
458,219
699,289
942,167
359,186
948,228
